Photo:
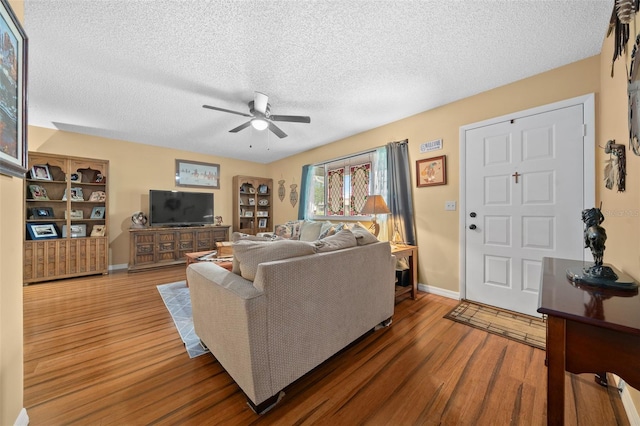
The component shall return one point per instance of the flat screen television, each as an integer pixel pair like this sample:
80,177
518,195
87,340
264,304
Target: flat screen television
180,208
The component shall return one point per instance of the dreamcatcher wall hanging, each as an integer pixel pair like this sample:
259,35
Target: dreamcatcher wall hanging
615,169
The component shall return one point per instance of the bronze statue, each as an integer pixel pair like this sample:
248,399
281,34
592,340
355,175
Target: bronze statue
594,238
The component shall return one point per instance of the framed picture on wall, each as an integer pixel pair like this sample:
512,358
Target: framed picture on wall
431,171
196,174
13,92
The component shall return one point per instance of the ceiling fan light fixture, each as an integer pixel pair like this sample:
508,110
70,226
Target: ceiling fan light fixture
259,124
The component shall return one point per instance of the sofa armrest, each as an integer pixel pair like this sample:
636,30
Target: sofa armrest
229,316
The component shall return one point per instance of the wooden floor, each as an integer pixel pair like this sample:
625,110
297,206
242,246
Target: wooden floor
104,350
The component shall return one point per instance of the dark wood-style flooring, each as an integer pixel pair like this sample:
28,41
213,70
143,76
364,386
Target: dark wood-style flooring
104,350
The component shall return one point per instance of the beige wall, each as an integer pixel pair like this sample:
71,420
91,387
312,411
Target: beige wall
621,209
134,169
437,229
11,230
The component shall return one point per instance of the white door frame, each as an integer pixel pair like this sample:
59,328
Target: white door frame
589,166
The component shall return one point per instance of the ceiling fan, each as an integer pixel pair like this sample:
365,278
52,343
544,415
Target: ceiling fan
261,117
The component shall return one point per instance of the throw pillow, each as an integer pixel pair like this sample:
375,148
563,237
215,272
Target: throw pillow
363,236
283,231
326,230
296,227
341,240
250,254
310,230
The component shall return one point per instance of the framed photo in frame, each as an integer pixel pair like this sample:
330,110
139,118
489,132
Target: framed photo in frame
38,193
41,231
431,171
13,94
40,172
41,212
97,213
98,196
76,194
77,231
262,223
98,230
197,175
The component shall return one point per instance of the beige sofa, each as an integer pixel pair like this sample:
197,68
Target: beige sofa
296,313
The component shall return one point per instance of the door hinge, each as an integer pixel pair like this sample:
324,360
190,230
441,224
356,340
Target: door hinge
584,129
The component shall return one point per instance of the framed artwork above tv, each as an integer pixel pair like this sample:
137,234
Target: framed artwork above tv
196,174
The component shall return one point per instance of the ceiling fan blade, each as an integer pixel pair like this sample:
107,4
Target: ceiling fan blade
275,129
240,127
292,118
226,110
260,102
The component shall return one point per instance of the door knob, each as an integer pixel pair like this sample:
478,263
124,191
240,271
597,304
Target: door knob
472,226
472,214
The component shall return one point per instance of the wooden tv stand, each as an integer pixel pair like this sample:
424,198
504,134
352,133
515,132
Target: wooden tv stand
155,247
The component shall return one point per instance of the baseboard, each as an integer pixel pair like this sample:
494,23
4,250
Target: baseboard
23,418
439,291
627,402
117,267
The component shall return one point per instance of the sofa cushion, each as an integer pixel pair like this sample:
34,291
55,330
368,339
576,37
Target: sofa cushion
310,230
237,236
363,236
341,240
249,254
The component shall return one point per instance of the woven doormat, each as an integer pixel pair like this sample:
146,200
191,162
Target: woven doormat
512,325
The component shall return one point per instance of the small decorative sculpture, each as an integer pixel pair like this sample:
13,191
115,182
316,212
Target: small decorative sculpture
594,238
598,275
218,220
138,220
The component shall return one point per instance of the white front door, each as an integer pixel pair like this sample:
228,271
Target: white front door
524,195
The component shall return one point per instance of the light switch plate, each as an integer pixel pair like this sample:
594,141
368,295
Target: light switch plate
450,205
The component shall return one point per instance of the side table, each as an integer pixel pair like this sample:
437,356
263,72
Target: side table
411,254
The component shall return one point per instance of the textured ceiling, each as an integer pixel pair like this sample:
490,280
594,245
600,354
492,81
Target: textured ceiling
140,71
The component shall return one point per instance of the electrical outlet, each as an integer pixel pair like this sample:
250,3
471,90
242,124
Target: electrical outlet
450,205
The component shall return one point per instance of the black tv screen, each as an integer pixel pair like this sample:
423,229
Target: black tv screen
178,208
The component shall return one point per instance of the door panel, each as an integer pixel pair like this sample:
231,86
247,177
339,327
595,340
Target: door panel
524,180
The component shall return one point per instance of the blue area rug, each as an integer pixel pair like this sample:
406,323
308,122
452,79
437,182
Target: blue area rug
178,302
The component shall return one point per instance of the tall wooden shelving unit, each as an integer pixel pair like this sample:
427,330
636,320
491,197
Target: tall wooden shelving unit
252,204
74,252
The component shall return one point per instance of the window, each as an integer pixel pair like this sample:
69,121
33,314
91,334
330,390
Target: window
339,188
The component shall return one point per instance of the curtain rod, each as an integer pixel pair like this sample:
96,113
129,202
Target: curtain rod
344,157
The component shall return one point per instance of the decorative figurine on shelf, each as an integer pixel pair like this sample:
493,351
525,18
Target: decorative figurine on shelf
598,274
138,220
218,220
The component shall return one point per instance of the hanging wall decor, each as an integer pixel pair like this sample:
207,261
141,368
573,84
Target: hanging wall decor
281,190
293,195
633,92
622,14
615,170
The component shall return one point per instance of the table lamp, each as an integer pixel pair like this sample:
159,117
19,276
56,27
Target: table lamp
375,205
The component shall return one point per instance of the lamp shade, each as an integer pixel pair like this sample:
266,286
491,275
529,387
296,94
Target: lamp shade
259,124
375,205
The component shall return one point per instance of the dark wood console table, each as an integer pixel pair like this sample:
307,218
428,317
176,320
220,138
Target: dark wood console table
588,331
